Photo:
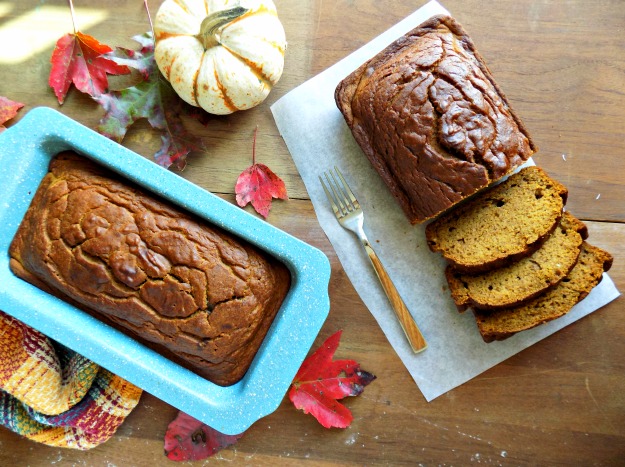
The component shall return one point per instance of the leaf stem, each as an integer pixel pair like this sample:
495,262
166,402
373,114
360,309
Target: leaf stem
71,10
254,146
147,9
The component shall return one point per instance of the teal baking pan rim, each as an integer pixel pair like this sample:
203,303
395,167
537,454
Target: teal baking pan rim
25,152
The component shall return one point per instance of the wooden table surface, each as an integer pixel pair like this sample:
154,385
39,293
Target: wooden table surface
562,401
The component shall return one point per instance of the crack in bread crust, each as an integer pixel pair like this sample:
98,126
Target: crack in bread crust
431,119
187,289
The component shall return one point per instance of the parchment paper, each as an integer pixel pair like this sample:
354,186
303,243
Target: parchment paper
318,139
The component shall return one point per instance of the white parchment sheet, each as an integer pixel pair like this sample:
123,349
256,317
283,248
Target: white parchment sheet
318,139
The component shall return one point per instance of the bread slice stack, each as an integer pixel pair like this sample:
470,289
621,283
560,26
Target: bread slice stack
515,257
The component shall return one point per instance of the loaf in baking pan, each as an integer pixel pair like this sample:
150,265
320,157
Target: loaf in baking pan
432,120
191,291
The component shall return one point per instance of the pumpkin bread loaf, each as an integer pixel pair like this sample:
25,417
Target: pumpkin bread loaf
520,281
431,119
501,224
189,290
552,304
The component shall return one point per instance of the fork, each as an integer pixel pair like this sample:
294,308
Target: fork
349,214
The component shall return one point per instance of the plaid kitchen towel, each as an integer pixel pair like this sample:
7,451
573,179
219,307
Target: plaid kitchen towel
52,395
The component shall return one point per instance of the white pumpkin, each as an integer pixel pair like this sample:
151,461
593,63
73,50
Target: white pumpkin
220,55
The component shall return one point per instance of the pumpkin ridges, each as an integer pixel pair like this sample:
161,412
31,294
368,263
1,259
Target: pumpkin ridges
242,17
168,68
227,101
237,80
254,68
261,11
195,81
194,92
183,7
162,35
277,46
265,10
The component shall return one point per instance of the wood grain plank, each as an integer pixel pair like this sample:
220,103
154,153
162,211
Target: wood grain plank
561,401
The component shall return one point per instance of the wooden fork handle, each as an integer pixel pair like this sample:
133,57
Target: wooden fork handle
415,338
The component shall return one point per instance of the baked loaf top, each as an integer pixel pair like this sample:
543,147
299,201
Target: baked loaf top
552,304
501,224
518,282
431,119
191,291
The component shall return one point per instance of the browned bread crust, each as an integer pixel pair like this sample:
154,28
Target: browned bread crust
552,304
523,280
431,119
501,224
189,290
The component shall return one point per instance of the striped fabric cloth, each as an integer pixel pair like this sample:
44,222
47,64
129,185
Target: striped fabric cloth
50,394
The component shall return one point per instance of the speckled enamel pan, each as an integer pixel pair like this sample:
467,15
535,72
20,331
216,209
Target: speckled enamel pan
25,152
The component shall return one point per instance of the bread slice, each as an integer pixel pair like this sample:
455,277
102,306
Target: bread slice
522,280
501,224
552,304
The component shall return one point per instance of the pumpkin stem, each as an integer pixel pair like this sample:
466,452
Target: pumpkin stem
212,24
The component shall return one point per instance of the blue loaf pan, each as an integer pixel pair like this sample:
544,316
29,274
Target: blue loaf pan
25,152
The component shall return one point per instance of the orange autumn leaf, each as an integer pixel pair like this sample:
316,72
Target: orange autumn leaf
8,110
77,58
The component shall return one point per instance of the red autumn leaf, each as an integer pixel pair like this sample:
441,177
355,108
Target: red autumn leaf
153,99
258,185
188,439
8,110
77,58
321,382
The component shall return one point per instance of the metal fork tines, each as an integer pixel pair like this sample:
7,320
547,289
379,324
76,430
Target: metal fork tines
348,212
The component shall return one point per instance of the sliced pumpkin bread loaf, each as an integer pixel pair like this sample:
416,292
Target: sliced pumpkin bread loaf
551,304
501,224
522,280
